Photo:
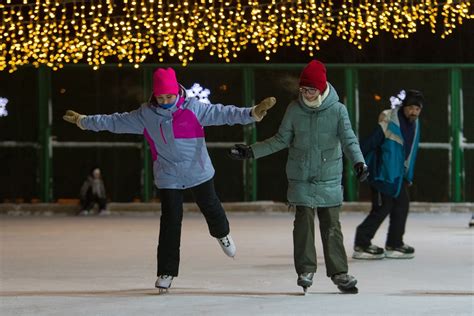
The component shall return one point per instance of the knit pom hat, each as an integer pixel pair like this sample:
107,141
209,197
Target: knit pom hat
314,75
164,82
413,97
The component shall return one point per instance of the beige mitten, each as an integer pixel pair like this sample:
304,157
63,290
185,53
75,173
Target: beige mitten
260,110
74,117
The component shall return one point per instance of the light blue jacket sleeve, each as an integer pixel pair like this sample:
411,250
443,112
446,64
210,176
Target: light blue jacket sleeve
218,114
119,123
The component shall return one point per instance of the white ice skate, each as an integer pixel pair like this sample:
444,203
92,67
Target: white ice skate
227,245
163,283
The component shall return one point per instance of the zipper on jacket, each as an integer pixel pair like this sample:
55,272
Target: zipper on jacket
162,134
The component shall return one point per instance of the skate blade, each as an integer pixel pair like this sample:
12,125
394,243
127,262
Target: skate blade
399,255
353,290
162,291
366,256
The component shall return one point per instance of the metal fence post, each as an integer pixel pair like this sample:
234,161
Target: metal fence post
147,172
44,134
456,135
351,84
250,137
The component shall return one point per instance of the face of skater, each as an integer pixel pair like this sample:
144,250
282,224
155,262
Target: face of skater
165,99
309,93
96,173
412,112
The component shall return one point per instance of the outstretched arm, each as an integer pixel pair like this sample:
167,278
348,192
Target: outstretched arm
218,114
119,123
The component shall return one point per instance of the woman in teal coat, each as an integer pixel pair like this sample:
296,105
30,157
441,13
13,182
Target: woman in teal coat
316,129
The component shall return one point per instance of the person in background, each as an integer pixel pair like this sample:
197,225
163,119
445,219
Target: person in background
173,124
390,152
93,191
317,129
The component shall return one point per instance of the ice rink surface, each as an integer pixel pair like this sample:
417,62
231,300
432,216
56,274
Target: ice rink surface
107,265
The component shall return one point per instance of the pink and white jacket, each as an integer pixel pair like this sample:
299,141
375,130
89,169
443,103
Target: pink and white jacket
175,136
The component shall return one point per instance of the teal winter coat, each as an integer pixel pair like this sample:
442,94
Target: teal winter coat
314,137
388,167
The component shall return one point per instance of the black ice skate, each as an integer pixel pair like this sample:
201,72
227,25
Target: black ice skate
371,252
402,252
345,283
305,280
163,283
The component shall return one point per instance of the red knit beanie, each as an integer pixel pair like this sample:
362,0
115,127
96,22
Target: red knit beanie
164,82
314,75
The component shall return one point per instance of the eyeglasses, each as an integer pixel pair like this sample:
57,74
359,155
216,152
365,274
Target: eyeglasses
308,91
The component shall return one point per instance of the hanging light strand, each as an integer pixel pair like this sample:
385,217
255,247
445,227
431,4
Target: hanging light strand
57,32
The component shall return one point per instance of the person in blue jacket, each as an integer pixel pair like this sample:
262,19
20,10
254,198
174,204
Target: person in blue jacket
390,152
173,124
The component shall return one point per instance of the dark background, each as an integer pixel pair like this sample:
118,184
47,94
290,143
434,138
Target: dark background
112,89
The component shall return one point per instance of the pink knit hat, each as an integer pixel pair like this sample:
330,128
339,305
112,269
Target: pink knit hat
314,75
164,82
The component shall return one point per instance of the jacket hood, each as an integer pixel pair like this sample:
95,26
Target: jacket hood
182,97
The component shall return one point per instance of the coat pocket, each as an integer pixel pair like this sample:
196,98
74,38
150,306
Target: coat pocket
331,164
297,165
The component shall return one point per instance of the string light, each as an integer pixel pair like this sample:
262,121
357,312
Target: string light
56,32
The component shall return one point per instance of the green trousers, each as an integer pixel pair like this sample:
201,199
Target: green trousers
304,251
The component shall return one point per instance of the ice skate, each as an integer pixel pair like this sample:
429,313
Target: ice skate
402,252
305,280
371,252
471,222
227,245
104,212
83,213
163,283
345,283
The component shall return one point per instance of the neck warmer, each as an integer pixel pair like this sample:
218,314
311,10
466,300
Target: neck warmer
316,103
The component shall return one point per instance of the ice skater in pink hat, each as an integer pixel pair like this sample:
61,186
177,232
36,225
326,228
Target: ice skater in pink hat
173,124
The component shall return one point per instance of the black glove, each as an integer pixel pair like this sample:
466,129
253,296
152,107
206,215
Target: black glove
362,172
241,152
